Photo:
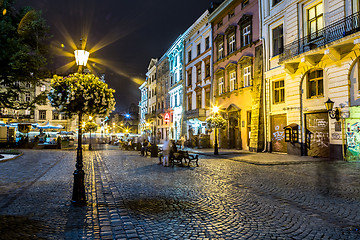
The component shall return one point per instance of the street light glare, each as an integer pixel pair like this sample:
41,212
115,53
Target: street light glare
81,57
215,109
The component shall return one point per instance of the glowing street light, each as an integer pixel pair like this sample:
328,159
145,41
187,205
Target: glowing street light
81,57
215,110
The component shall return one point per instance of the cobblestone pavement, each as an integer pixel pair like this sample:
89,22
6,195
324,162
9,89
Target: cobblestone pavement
132,197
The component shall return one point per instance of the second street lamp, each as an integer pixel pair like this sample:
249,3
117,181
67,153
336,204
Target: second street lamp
216,148
78,197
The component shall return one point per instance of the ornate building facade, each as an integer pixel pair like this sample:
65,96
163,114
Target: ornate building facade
237,81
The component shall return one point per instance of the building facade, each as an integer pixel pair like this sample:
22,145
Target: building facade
175,55
151,85
237,81
163,99
143,108
312,56
197,84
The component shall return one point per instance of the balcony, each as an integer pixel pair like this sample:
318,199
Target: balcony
328,34
151,115
196,113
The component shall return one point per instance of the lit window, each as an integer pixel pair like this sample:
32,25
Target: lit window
246,35
198,75
232,80
221,85
220,50
247,76
315,21
232,43
27,97
278,92
43,88
315,83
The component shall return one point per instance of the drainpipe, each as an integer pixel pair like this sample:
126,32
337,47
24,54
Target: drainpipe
263,80
303,144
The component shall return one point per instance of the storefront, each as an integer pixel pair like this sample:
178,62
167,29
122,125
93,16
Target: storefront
352,134
317,134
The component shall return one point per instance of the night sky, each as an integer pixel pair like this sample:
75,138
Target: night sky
130,33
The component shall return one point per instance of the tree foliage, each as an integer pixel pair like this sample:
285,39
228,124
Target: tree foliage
216,121
90,127
24,37
81,94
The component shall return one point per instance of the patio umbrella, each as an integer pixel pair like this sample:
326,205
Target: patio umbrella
49,126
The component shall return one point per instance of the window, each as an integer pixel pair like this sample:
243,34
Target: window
244,3
274,2
207,99
220,50
42,114
198,49
27,112
198,73
42,88
189,103
55,115
315,20
246,35
27,97
189,56
219,24
189,78
315,83
232,80
232,45
247,76
221,85
278,41
207,69
278,92
230,15
28,85
198,100
207,43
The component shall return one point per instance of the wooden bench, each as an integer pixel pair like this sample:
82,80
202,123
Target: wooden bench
179,156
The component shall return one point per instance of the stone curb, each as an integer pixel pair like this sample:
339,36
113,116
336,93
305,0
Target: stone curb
13,158
270,163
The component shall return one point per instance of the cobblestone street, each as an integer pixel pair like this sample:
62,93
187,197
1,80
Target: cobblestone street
132,197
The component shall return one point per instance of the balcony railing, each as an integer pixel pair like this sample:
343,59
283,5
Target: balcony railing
196,113
328,34
150,115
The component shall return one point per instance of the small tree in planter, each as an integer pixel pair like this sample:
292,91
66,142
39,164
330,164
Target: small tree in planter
216,121
81,94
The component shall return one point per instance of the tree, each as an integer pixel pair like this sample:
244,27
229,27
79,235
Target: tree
216,121
81,94
24,37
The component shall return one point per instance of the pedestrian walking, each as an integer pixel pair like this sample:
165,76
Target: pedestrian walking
166,153
182,140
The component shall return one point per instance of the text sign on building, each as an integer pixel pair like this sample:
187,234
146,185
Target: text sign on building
167,117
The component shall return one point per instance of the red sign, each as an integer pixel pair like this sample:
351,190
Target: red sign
167,117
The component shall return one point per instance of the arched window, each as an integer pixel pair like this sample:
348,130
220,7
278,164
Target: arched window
315,83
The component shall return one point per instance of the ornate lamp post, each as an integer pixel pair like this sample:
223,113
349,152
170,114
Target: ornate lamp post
90,147
78,197
215,110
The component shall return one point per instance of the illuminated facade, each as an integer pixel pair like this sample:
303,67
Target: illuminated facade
237,79
151,87
175,55
312,50
163,99
143,107
198,73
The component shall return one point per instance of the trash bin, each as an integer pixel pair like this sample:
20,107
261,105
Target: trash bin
154,150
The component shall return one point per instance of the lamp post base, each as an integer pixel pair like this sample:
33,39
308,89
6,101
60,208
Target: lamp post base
78,196
216,149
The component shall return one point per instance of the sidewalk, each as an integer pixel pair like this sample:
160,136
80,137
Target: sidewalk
258,158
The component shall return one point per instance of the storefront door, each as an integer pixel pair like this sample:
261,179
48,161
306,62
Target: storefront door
278,122
317,134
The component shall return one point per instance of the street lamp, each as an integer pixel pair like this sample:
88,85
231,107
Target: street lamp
333,113
78,197
215,110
